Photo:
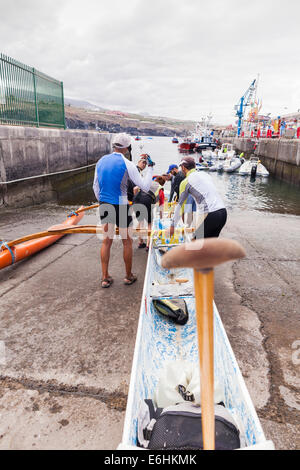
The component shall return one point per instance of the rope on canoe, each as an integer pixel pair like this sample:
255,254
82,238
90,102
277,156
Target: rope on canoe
73,213
5,245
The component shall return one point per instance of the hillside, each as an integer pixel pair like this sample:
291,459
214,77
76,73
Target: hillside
116,121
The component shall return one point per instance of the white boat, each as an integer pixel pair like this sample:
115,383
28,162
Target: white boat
227,151
253,167
219,165
160,342
233,164
207,154
202,166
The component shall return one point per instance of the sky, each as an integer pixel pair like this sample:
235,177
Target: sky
182,59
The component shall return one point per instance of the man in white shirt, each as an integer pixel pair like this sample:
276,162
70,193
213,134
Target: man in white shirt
210,207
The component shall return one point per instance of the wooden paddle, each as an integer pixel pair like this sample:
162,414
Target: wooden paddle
203,256
69,229
83,209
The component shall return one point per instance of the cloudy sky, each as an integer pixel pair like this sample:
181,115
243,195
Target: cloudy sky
178,58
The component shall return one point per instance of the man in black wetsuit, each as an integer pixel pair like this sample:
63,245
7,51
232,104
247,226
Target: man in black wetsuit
178,177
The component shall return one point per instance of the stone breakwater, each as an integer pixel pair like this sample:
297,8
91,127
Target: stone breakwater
280,156
27,152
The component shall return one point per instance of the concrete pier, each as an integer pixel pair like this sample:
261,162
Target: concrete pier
67,345
27,152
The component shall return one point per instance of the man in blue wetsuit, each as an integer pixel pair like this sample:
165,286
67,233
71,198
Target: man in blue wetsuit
110,186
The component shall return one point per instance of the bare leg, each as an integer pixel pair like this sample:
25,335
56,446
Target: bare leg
105,249
127,251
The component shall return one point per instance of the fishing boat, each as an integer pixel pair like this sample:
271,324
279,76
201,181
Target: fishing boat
11,254
187,145
205,142
253,167
160,342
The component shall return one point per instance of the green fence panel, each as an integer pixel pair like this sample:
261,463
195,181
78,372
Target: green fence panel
29,97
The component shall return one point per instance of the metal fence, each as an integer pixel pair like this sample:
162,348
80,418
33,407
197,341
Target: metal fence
29,97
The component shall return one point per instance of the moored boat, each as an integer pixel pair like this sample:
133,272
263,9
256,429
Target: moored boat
204,143
233,164
175,140
226,151
160,342
187,145
253,167
12,254
137,138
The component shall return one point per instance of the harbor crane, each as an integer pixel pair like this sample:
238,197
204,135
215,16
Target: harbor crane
243,103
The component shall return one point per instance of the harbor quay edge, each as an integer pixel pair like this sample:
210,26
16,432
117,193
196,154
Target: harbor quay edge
27,152
280,156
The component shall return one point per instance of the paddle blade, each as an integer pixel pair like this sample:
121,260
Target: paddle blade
203,254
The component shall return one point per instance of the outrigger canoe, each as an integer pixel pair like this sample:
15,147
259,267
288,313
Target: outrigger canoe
12,254
160,342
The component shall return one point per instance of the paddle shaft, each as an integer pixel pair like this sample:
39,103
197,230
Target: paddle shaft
83,209
204,295
80,229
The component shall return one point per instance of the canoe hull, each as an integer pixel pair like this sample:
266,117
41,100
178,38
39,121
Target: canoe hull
159,342
26,249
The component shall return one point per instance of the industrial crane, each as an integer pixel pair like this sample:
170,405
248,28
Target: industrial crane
243,103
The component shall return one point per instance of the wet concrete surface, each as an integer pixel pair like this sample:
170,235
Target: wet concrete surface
67,344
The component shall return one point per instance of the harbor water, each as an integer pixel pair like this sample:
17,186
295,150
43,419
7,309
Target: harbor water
238,192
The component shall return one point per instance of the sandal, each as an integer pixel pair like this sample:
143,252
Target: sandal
107,282
130,280
142,245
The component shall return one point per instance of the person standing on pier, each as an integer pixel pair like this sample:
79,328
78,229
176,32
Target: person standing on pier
141,165
178,177
110,186
210,208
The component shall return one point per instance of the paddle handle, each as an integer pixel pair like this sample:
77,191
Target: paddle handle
204,295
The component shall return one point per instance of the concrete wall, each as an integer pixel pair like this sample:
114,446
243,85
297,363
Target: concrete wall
281,156
27,151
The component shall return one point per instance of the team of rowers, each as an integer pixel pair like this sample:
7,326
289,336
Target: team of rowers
121,190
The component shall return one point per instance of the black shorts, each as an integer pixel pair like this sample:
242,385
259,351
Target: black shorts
143,207
212,225
115,214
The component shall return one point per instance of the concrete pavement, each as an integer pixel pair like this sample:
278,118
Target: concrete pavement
68,344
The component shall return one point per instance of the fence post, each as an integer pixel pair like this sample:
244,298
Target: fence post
35,99
63,104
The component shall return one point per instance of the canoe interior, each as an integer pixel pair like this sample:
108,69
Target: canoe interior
159,341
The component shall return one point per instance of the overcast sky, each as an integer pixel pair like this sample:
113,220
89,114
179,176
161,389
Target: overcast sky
178,58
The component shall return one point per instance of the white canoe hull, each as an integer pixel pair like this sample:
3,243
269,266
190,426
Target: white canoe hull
159,341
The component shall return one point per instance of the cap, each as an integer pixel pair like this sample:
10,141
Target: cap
121,141
188,162
171,167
